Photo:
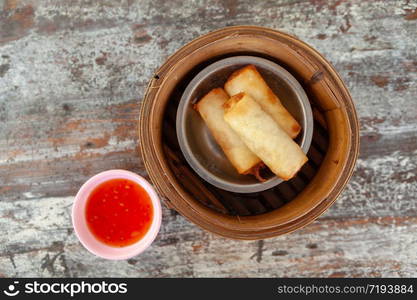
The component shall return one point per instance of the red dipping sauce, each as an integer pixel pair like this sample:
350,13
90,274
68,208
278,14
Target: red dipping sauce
119,212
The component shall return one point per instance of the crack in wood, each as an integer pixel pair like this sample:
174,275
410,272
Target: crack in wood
48,263
259,251
12,261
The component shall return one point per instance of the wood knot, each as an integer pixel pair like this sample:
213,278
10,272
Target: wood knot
312,246
316,77
279,253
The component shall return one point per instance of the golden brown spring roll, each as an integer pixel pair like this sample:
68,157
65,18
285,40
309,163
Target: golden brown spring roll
211,110
249,80
264,136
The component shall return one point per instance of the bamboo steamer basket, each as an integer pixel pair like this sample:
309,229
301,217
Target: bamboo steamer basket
288,206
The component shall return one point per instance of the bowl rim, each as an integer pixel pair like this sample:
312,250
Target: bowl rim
194,84
86,237
155,160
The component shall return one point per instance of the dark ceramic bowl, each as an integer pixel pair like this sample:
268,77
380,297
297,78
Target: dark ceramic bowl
199,147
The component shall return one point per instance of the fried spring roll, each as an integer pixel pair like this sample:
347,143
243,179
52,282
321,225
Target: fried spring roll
264,136
211,110
249,80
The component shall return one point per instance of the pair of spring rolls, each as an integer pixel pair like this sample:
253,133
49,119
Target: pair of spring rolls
263,136
249,80
252,127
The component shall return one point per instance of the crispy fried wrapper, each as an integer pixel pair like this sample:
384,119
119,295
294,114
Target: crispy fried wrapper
250,81
264,136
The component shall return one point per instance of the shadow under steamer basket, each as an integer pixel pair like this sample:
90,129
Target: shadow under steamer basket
291,204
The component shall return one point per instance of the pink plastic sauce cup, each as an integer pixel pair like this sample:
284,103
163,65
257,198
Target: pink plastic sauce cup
89,241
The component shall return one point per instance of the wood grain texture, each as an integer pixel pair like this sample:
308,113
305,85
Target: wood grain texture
72,76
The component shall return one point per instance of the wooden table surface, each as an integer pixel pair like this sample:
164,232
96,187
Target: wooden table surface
72,76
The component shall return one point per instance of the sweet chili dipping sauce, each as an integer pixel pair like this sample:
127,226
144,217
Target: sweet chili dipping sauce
119,212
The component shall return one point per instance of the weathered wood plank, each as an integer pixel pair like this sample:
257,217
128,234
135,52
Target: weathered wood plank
40,242
72,75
